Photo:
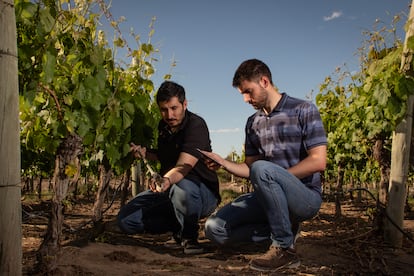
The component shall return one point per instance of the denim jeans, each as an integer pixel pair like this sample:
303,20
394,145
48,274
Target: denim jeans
177,210
279,200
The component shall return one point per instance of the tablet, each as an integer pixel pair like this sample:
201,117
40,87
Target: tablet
208,157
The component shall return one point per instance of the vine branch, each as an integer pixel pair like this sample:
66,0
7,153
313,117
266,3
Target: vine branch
53,94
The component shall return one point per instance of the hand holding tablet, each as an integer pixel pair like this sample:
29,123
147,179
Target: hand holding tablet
209,156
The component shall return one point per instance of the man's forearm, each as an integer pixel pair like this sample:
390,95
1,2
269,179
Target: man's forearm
238,169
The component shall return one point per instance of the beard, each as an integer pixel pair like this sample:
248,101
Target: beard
260,101
256,105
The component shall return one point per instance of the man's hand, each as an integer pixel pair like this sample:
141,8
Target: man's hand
138,151
212,160
159,184
156,183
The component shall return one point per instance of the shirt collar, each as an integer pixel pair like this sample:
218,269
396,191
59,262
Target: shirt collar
280,105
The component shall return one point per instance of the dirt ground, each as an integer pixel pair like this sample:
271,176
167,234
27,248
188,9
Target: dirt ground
328,246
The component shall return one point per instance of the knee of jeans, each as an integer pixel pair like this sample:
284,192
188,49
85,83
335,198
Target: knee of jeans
185,203
256,168
131,224
216,231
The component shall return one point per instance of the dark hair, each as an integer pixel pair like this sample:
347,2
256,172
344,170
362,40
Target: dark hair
169,89
251,70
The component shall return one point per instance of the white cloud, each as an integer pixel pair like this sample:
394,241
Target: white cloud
334,15
226,130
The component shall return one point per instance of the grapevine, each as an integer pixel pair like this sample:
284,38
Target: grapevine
363,108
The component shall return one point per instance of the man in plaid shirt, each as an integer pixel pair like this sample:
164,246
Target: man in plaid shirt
285,150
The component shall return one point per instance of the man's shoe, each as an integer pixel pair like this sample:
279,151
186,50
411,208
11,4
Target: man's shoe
173,243
192,247
276,258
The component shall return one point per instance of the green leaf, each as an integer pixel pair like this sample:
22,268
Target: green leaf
88,139
101,78
381,94
49,64
97,56
126,149
410,43
129,108
46,20
39,98
119,42
100,138
72,59
25,10
127,120
112,152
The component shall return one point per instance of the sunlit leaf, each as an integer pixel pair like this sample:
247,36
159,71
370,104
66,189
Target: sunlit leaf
127,120
71,170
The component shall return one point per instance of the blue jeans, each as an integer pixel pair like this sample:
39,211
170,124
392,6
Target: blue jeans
279,200
177,210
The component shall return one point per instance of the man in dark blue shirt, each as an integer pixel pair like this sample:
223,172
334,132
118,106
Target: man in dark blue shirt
285,151
189,190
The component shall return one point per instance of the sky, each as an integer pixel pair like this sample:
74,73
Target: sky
302,42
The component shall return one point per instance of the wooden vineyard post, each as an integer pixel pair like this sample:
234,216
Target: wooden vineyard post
400,154
10,183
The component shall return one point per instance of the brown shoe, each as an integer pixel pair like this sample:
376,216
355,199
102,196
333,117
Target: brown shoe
276,258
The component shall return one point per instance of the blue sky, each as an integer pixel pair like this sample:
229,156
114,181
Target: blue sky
302,41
